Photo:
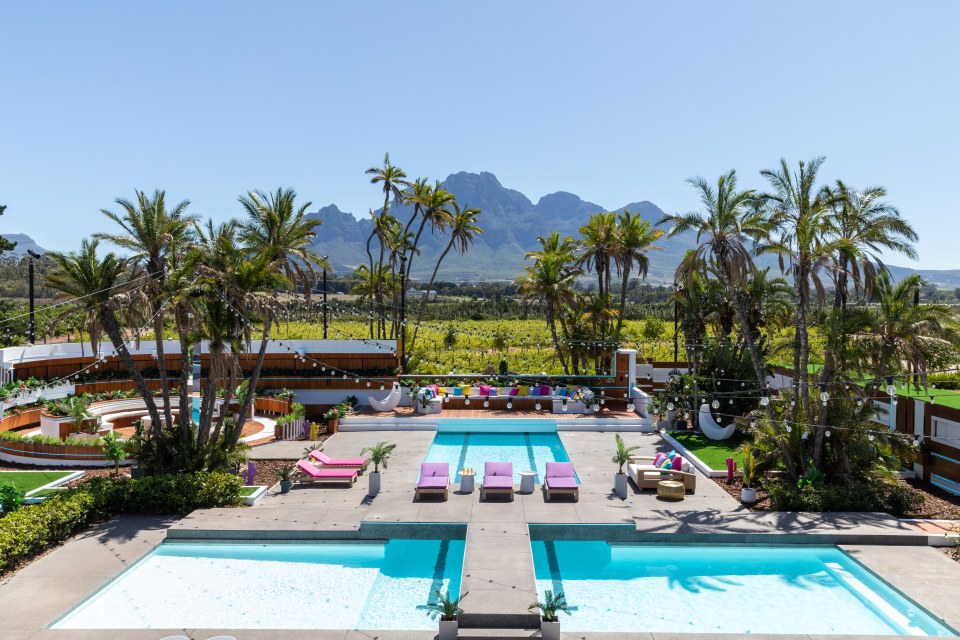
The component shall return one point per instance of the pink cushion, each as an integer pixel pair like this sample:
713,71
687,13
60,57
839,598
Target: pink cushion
498,469
677,462
498,482
514,391
314,472
326,460
433,482
484,389
658,459
433,388
562,483
544,390
560,470
435,469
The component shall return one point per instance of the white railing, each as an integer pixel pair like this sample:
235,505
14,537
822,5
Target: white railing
291,430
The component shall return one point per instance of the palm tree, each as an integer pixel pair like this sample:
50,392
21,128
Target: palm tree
598,247
393,179
463,231
905,333
276,226
436,212
634,238
549,281
554,245
729,221
101,286
153,235
799,210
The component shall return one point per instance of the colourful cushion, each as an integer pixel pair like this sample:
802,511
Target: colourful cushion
535,391
434,388
571,388
493,392
677,463
544,390
465,389
484,389
666,463
523,390
514,391
458,391
562,392
657,459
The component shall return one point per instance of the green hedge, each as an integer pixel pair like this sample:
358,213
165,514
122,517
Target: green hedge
31,530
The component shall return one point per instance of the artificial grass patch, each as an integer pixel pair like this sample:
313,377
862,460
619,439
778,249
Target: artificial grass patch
29,480
713,453
246,492
946,397
46,493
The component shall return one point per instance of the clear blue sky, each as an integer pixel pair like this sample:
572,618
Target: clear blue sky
616,102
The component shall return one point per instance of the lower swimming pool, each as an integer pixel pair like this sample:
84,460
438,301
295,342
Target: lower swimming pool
723,589
277,586
527,451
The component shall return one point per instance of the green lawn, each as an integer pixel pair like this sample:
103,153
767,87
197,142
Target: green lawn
946,397
29,480
246,492
46,493
713,453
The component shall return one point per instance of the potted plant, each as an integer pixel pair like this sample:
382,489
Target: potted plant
285,475
621,457
448,610
748,495
551,605
378,456
332,416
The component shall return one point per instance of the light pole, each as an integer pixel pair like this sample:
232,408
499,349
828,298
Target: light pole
33,326
892,392
403,312
325,298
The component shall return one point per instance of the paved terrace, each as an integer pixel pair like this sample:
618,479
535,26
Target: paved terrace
498,567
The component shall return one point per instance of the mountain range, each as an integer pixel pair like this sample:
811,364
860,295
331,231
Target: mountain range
511,223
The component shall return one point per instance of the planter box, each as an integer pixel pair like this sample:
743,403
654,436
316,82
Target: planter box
61,427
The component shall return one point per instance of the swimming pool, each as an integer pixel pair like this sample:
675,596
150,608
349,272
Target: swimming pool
195,405
527,451
351,585
722,589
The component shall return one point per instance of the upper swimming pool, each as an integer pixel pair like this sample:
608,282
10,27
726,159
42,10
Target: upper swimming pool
351,585
527,451
723,589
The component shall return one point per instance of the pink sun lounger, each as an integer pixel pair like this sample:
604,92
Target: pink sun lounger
434,478
561,479
497,478
347,463
313,474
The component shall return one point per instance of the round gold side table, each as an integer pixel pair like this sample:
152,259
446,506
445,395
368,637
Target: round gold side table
670,490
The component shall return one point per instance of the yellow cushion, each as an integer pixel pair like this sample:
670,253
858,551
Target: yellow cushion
466,389
524,390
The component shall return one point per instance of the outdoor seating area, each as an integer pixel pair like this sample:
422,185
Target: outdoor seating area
311,474
647,472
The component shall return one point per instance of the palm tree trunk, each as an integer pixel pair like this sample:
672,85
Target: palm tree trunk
623,295
252,387
370,274
423,303
802,373
551,322
161,361
112,328
186,366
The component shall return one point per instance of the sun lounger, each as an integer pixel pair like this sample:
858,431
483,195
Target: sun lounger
344,463
434,478
497,478
313,474
560,479
646,476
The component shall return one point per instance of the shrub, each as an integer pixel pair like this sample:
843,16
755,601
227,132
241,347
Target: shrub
29,531
11,498
892,498
166,493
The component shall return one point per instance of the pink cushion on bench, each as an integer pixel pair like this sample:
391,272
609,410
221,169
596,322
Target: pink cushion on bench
314,472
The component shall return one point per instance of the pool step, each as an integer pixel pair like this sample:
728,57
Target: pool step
498,633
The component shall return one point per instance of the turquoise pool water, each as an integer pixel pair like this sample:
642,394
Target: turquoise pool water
527,451
195,403
722,589
277,586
